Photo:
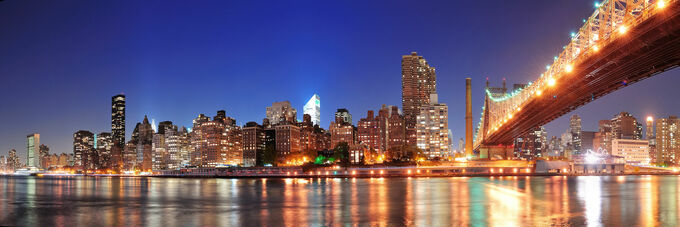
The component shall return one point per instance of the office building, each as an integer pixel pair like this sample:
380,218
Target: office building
32,153
625,126
635,152
313,109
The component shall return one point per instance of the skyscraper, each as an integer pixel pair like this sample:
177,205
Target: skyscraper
418,81
313,108
433,129
32,153
118,120
575,129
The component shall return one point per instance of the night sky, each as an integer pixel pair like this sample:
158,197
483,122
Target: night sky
61,61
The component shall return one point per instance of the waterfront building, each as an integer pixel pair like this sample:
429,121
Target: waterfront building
281,111
344,115
341,131
208,139
433,129
234,146
32,153
160,156
384,131
178,148
368,131
313,109
357,152
668,140
287,139
253,144
418,81
83,150
635,152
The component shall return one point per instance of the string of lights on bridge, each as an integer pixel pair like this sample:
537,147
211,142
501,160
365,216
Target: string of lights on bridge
587,41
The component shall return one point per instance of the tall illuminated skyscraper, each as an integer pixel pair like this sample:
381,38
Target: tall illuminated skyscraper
118,120
418,81
313,108
32,155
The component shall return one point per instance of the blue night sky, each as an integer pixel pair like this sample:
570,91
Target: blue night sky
61,61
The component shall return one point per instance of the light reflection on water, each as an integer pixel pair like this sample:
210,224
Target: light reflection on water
498,201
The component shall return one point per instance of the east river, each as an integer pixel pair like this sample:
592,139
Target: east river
452,201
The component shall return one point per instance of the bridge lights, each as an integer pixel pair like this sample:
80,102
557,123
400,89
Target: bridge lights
569,68
596,48
551,82
661,4
623,29
539,93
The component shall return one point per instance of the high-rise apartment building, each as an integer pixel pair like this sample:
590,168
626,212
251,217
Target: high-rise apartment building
83,150
280,112
433,129
603,137
313,109
32,152
418,81
253,144
668,140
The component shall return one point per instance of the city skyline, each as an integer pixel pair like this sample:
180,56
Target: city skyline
87,108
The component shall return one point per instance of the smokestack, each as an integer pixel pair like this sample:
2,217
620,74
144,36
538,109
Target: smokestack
468,117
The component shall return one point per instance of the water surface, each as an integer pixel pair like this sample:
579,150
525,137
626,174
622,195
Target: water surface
453,201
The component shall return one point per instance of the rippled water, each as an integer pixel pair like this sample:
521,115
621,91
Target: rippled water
506,201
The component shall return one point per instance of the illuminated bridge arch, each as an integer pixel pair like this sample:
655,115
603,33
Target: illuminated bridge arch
622,42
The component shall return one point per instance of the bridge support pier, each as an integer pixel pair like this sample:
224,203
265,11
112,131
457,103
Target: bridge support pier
496,152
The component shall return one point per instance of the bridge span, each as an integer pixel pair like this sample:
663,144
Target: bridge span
623,42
